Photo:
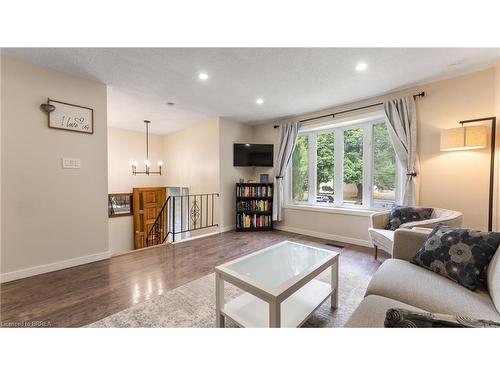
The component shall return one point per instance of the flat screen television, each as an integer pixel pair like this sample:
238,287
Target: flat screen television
252,155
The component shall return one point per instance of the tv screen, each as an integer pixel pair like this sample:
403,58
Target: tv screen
253,155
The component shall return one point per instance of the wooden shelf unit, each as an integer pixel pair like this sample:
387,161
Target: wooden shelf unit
248,197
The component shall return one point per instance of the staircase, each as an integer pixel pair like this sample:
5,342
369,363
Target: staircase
183,214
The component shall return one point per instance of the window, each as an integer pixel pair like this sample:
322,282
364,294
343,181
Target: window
348,165
300,174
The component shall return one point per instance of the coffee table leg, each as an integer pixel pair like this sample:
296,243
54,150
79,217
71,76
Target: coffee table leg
274,314
219,300
335,284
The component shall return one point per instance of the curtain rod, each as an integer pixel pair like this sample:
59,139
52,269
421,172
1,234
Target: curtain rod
422,94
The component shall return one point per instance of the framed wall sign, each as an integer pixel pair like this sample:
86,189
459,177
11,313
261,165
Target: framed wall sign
120,204
71,117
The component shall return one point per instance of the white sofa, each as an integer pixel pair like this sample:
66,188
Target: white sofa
401,284
384,239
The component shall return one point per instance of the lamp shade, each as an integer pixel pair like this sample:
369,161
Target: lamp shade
464,138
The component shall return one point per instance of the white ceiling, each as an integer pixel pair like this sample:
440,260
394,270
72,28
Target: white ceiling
291,80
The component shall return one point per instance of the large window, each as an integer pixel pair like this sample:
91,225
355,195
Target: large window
348,165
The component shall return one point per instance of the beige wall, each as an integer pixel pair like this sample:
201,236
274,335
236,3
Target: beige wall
192,157
497,169
192,160
456,180
51,217
123,147
231,132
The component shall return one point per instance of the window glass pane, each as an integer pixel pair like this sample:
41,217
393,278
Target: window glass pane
300,170
384,167
353,166
324,167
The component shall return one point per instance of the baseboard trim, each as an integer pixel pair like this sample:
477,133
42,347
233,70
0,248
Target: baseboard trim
50,267
326,236
227,228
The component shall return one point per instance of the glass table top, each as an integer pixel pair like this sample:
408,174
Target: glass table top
278,264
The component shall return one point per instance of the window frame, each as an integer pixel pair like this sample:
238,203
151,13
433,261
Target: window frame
338,129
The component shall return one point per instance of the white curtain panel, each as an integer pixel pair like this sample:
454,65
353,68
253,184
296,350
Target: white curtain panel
287,138
402,127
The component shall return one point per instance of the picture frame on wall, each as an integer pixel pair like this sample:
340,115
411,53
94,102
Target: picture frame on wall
120,204
71,117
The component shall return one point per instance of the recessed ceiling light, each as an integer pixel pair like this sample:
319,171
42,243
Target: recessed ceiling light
203,76
361,66
259,101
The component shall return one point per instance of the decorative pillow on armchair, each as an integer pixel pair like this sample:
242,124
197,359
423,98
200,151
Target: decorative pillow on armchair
402,318
406,214
461,255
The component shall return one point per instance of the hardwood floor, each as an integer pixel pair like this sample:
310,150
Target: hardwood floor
80,295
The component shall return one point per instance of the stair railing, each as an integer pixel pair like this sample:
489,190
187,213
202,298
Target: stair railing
182,214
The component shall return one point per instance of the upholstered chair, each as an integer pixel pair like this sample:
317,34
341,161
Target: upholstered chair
384,239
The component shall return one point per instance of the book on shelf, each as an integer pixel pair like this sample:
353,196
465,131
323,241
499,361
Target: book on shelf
254,191
253,221
254,205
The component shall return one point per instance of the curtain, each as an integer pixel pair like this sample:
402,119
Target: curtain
287,139
402,128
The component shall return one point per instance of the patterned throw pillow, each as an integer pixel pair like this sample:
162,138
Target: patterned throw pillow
401,318
461,255
406,214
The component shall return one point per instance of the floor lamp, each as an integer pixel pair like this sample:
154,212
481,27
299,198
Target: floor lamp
472,138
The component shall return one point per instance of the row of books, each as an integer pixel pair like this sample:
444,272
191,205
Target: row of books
254,191
254,205
253,221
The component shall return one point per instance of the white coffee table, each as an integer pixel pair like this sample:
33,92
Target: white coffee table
280,285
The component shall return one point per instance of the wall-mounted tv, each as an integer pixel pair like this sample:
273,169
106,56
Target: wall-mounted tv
252,155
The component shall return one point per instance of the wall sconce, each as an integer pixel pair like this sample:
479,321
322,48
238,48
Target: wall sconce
464,138
473,138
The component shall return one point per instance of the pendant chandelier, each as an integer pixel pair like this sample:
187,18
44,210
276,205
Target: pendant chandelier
147,163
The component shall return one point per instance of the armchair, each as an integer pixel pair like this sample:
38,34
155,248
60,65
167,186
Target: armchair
384,239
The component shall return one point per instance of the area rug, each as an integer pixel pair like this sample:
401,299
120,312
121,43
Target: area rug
193,305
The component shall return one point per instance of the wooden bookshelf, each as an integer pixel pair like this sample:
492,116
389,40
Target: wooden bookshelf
254,206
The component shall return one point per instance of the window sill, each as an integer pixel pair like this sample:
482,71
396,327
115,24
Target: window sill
331,210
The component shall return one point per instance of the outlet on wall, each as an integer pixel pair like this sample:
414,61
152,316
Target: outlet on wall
71,163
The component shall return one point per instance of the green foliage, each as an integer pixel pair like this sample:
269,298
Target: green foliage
353,158
384,160
300,174
325,160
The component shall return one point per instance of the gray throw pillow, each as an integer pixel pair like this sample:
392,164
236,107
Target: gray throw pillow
406,214
461,255
402,318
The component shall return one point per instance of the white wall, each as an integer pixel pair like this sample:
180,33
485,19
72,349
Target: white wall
51,217
125,146
452,180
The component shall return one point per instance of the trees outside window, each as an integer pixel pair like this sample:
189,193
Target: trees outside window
345,165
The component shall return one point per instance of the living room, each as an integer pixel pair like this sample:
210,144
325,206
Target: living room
253,186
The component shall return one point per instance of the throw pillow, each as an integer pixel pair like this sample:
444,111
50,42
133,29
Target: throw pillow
402,318
406,214
461,255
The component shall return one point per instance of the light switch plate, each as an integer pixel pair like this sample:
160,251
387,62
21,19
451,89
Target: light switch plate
71,163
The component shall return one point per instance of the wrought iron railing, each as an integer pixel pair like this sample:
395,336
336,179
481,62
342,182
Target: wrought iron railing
182,214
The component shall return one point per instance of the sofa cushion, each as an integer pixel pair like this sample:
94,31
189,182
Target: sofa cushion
459,254
402,318
371,312
417,286
382,238
407,214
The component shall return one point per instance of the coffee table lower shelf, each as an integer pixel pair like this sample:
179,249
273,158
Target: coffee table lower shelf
250,311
